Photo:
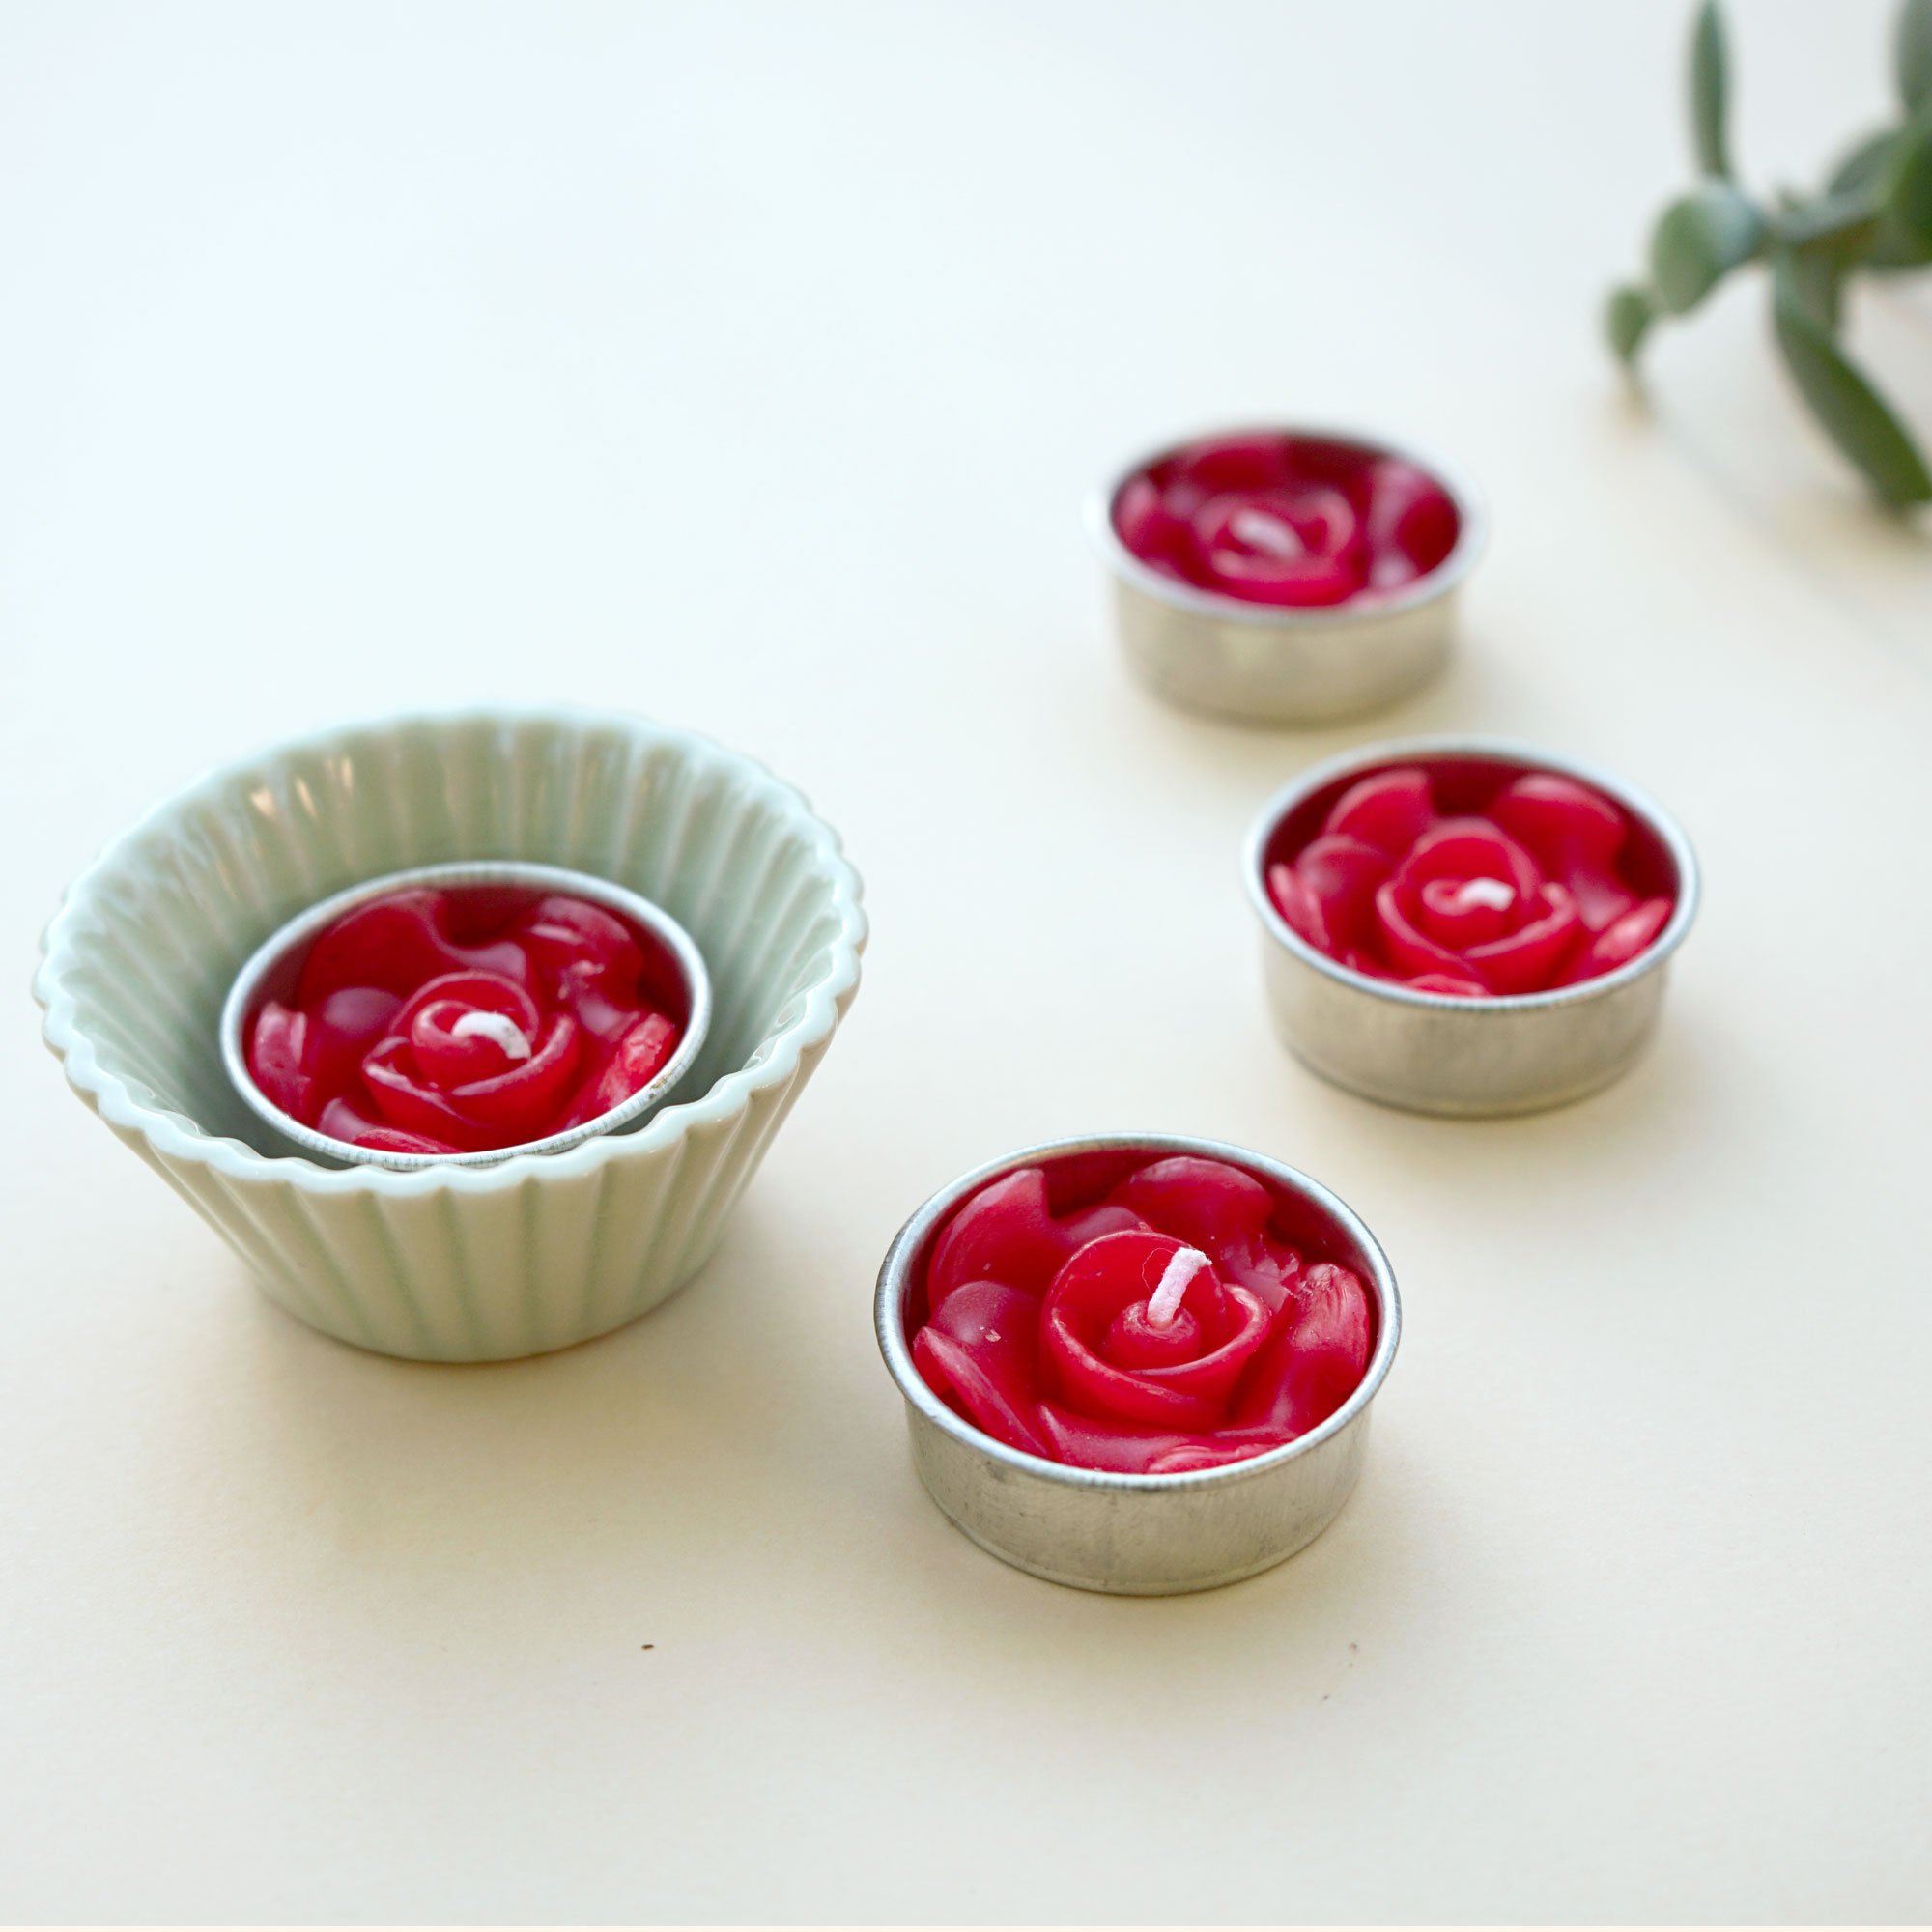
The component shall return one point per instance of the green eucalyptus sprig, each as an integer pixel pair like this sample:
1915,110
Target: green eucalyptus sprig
1873,217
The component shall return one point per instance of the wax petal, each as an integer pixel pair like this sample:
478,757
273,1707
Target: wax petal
1340,874
1085,1442
1299,905
1153,524
1257,462
1620,942
277,1050
1314,1358
1411,514
346,1024
1407,945
1091,1223
1284,525
1265,1266
341,1120
639,1059
1088,1442
523,1100
1602,898
1468,848
1217,1451
1455,985
1564,824
1003,1233
1104,1278
1531,958
446,1057
1207,1204
404,1100
1390,571
1133,1342
1390,811
1307,580
562,931
981,1347
1461,913
396,943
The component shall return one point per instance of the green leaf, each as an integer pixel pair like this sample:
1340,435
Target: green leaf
1710,90
1913,54
1868,170
1816,278
1849,410
1864,169
1908,187
1698,240
1846,223
1626,318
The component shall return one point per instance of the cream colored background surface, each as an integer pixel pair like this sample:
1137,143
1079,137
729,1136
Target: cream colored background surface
748,368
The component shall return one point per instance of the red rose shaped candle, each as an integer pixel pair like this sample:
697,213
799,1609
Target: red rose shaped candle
1140,1363
1274,518
466,1011
1285,576
1163,1327
1532,885
1467,927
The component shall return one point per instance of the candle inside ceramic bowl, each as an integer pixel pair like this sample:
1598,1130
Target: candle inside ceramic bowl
1273,517
466,1012
1472,878
1144,1313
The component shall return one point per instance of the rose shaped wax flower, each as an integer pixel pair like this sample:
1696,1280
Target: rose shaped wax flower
1279,519
1164,1326
456,1018
1473,884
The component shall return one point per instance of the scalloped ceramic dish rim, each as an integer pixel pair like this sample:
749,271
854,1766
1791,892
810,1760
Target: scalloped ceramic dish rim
889,1313
175,1134
1365,758
1471,535
305,928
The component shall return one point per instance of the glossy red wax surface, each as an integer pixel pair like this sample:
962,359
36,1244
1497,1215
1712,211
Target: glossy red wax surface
1286,520
390,1032
1473,879
1039,1327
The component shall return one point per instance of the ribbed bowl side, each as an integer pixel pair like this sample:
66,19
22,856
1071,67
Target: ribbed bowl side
543,1252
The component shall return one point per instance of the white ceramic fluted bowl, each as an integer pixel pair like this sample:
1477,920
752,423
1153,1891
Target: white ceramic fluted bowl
458,1264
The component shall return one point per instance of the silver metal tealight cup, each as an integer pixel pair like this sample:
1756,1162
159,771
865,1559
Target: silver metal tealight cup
1138,1536
1273,665
1434,1053
272,967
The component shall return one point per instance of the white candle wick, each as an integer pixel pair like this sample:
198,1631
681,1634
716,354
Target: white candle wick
499,1026
1164,1303
1490,892
1261,532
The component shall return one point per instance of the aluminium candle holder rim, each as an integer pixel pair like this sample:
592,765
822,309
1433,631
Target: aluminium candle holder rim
297,934
1111,1531
1508,1053
1286,664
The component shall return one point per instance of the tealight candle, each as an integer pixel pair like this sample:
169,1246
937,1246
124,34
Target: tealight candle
1137,1363
1272,517
1163,1326
466,1012
1283,574
1474,883
1467,926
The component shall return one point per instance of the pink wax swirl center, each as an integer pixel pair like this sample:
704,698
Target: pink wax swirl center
1537,882
1166,1327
